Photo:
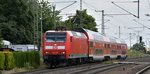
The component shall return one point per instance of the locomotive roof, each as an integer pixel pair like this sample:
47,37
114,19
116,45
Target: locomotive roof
72,33
93,36
99,37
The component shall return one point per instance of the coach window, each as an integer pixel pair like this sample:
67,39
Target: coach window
91,44
105,45
120,46
117,46
112,46
113,52
98,51
123,52
108,45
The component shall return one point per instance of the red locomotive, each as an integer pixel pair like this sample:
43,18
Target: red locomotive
80,46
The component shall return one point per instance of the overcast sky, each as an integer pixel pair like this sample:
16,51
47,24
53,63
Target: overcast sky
127,23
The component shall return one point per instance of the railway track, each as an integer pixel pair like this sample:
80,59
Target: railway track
144,70
91,68
77,69
46,70
96,70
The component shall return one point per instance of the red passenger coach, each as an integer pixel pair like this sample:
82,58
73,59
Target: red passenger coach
80,46
104,47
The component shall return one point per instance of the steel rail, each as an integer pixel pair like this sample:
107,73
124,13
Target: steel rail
143,70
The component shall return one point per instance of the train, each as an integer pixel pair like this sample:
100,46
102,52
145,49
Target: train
80,46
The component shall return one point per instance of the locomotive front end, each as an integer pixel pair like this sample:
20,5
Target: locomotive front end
54,47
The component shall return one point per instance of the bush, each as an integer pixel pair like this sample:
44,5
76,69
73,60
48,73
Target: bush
22,59
9,60
37,59
2,61
135,53
6,60
33,58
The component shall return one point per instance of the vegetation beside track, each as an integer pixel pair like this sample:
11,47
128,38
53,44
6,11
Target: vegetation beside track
11,60
135,53
110,62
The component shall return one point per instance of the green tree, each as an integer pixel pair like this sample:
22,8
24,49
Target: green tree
1,44
16,20
139,47
50,16
87,21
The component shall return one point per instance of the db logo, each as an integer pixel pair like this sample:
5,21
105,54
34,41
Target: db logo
54,47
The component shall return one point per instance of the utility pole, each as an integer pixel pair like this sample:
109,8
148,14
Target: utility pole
129,13
102,27
41,22
80,13
37,27
138,36
138,9
119,32
54,22
130,40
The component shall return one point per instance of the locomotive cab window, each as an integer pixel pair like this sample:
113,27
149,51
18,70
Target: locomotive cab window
55,37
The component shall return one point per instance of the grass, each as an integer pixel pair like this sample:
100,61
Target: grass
110,62
134,54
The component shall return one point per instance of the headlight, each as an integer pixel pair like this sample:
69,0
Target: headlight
63,52
47,52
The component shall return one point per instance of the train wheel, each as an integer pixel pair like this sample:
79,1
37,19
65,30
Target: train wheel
77,61
118,58
90,60
50,65
68,62
107,58
83,60
65,63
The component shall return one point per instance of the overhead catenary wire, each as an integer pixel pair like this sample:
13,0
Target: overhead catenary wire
63,2
90,6
93,8
58,11
141,24
72,2
68,6
124,9
127,2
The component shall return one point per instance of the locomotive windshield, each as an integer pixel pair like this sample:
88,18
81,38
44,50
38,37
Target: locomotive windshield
55,37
